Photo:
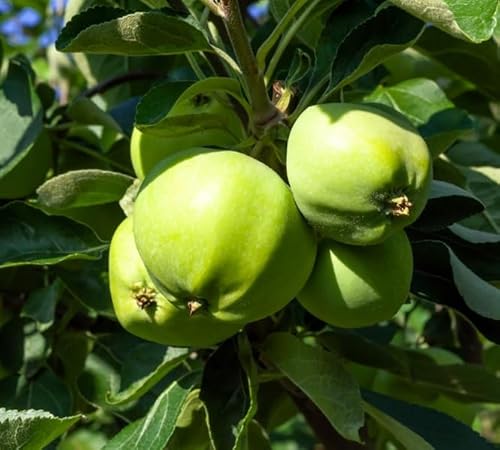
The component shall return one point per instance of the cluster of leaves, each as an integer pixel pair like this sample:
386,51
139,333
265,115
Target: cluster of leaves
67,368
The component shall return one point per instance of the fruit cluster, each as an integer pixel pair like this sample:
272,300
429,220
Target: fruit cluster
217,239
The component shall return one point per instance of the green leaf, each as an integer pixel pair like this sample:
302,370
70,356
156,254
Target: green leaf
31,429
439,430
444,128
483,179
484,183
85,111
386,33
145,366
322,377
41,304
468,382
46,391
478,295
114,31
28,236
83,188
403,435
98,377
155,105
153,109
21,115
446,205
312,26
418,99
473,21
257,437
87,281
424,103
479,250
477,63
191,428
230,404
155,430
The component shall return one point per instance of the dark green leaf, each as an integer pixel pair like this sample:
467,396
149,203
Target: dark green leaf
31,429
79,188
322,377
403,435
469,382
158,101
155,430
479,250
41,304
114,31
88,283
20,116
45,391
28,236
444,128
230,404
439,430
145,365
477,63
435,260
387,32
446,205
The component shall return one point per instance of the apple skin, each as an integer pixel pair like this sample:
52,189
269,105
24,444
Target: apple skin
30,172
161,321
221,228
358,173
147,148
352,286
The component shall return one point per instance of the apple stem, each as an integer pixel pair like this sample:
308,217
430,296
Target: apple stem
399,206
265,114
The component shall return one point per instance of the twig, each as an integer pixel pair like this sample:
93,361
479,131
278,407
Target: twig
120,79
265,114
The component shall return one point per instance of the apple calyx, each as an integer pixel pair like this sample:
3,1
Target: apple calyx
399,206
194,305
144,296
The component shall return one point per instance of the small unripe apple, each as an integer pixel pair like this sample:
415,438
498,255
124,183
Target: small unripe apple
220,232
144,312
358,173
352,286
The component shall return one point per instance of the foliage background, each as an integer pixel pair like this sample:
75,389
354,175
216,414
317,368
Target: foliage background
71,377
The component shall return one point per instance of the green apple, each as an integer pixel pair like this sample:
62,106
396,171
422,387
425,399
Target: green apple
29,172
147,148
352,286
144,312
358,173
219,231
